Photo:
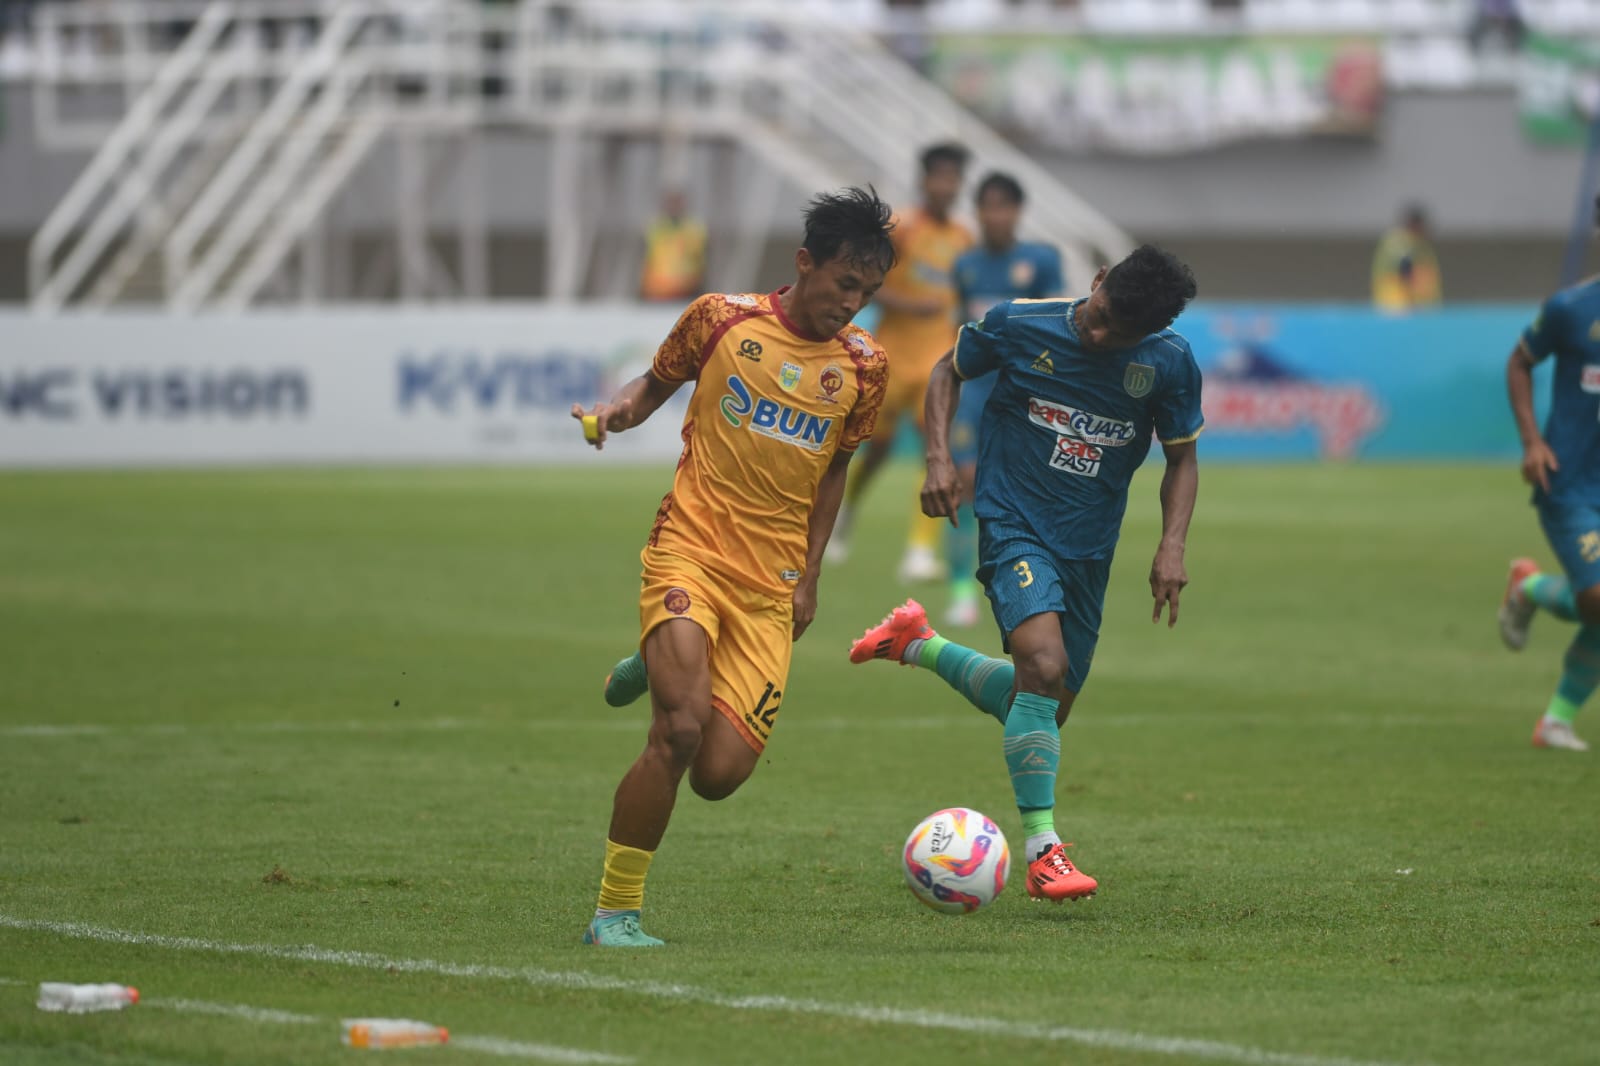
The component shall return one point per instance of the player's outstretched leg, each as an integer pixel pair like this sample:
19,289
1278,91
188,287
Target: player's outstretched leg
1516,606
1580,676
627,681
904,636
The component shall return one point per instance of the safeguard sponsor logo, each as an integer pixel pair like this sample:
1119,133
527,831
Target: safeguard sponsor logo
1084,425
772,419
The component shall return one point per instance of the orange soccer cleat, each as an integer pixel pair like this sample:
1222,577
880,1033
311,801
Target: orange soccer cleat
1053,877
888,639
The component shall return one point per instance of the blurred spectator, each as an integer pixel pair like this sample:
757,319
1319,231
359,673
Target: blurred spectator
1405,271
16,32
1497,22
674,253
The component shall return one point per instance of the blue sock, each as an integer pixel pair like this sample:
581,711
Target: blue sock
985,682
1033,752
1553,593
961,546
1580,675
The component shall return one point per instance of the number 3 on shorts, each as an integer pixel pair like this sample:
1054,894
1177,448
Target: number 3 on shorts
1024,574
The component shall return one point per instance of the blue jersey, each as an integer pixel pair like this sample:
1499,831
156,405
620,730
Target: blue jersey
1025,270
1568,327
1066,428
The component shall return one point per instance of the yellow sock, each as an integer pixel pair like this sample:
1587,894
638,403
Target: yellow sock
622,884
925,531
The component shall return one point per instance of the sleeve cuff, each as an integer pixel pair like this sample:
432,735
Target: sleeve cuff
1186,439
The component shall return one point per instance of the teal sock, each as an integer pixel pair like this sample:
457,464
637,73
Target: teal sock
1552,593
1580,675
1032,748
961,546
985,682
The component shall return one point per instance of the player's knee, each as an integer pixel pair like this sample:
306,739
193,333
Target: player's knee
677,736
1589,605
1042,671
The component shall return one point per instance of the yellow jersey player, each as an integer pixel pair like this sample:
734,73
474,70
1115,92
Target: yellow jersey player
918,325
785,389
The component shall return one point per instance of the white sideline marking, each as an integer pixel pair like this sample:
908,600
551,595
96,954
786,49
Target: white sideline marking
490,1045
1119,1040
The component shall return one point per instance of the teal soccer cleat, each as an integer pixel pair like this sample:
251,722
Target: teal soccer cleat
619,931
626,682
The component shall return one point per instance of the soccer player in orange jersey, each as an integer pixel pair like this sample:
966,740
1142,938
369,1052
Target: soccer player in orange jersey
785,388
918,326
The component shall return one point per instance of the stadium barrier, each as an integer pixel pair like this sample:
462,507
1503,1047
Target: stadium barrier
488,385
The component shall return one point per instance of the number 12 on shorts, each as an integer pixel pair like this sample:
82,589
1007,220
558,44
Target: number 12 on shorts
767,713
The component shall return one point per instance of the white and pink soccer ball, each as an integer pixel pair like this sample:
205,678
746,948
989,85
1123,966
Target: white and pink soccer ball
956,860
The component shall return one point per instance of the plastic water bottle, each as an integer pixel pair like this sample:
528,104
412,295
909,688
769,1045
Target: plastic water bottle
392,1032
81,999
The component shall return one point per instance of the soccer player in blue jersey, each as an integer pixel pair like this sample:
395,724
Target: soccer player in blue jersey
1079,387
1001,268
1563,466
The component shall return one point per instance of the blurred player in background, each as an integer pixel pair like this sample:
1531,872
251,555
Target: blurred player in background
785,390
917,325
1080,385
1563,466
1405,268
1001,268
674,253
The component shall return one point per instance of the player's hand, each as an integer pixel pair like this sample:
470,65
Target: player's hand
1167,579
941,490
1537,463
805,606
607,419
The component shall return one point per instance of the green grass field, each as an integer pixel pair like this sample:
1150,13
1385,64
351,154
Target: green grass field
330,744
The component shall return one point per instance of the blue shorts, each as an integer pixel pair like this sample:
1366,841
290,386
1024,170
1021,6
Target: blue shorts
1023,579
1574,534
969,412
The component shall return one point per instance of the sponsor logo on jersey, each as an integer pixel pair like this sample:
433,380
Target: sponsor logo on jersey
676,601
789,575
790,377
1084,425
740,299
1022,273
773,419
1138,380
1076,457
1590,382
1594,329
750,349
1044,364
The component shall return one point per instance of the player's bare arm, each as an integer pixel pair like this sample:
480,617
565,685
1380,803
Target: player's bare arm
634,402
941,490
1537,459
830,494
1179,486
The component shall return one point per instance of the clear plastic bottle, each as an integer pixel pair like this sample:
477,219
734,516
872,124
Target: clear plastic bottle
392,1032
81,999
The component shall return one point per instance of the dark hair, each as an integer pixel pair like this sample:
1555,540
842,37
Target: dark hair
1415,215
1004,184
1149,288
853,223
945,152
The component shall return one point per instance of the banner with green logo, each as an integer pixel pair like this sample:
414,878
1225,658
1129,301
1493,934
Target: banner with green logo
1158,96
1560,89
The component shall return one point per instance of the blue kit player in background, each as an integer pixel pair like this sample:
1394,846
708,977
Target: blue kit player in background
1001,268
1563,466
1080,385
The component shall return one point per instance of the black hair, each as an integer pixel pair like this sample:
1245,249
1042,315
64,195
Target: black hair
853,223
1149,288
1004,184
945,152
1415,215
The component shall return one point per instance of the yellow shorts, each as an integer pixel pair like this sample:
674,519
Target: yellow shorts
750,636
907,388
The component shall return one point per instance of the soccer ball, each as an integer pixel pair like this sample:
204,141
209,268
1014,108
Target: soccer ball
956,860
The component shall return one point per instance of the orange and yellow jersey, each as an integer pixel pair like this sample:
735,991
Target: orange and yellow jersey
771,408
926,250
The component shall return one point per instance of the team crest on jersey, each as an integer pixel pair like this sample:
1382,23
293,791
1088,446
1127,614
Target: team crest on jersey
1138,380
772,419
832,380
676,601
1022,273
790,377
1594,330
1590,382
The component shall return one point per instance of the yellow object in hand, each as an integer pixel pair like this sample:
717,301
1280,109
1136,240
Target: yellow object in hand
591,428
